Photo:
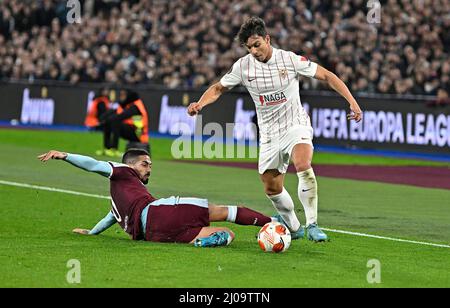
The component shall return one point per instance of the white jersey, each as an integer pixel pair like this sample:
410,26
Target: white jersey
274,87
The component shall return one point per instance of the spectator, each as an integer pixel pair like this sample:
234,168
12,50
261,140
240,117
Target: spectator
129,122
442,99
185,43
99,109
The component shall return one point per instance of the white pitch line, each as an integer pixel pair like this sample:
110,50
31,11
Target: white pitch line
71,192
52,189
385,238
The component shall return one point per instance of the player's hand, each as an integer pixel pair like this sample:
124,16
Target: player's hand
194,108
81,231
355,114
52,155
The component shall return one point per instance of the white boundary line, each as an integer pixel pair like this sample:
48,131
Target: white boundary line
52,189
71,192
386,238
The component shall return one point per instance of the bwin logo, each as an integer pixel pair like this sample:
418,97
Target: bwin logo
37,110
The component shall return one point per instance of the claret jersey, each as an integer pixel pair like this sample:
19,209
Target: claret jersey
129,197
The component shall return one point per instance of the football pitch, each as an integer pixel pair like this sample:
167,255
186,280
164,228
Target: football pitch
41,203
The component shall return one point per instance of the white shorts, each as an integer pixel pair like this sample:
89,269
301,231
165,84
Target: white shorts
276,154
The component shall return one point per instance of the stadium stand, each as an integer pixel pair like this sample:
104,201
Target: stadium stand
190,43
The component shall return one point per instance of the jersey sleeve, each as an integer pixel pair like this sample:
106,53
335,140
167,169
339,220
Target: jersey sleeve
103,224
303,66
233,77
89,164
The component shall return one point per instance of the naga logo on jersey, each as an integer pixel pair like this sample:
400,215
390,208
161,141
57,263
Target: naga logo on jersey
272,99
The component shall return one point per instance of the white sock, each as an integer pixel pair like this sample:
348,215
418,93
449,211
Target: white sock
232,213
285,206
307,193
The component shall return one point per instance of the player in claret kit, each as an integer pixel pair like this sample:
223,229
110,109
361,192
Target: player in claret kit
271,76
143,217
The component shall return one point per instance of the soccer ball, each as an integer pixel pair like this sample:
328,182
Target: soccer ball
274,237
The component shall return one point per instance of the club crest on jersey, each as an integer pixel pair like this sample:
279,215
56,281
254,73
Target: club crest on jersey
272,99
283,73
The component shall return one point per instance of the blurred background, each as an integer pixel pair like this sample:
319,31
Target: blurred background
180,47
189,43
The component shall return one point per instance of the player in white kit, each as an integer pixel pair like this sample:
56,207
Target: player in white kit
271,76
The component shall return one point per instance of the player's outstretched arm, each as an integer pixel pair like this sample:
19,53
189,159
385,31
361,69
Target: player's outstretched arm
101,226
339,86
210,96
84,162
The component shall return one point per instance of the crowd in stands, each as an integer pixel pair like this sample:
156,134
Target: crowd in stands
190,43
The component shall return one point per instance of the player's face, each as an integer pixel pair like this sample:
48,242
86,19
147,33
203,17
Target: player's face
259,47
143,166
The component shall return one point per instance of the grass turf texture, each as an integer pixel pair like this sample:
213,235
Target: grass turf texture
36,241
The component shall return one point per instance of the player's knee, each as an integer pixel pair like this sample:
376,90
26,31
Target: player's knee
218,213
273,189
302,166
273,185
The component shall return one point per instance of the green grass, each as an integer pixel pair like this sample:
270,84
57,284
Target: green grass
36,240
87,143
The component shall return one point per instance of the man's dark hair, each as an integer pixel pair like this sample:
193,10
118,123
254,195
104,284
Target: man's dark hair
130,156
131,97
252,26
